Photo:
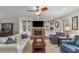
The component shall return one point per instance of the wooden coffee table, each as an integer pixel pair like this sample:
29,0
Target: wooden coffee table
38,47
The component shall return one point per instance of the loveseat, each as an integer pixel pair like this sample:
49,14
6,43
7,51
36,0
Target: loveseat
18,47
70,46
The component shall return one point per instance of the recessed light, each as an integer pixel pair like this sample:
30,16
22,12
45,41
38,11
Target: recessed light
64,8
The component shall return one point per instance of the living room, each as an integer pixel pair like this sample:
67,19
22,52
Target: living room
39,29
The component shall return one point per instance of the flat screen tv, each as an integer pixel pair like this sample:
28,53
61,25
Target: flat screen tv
37,23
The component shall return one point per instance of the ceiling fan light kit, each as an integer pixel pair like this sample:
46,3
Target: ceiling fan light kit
39,10
38,13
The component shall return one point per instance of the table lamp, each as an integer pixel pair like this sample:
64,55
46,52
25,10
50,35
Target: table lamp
67,29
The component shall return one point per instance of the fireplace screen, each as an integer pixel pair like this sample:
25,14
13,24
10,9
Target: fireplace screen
37,32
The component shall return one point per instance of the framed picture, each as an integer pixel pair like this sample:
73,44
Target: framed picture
56,24
24,28
51,28
51,22
24,22
75,23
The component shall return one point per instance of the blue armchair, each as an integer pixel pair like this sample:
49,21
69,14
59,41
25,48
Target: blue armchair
54,38
70,46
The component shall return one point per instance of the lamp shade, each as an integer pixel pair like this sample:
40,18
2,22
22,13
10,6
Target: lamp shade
67,28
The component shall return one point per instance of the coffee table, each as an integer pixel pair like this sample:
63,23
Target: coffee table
38,47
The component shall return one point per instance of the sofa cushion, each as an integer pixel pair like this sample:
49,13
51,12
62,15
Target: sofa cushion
22,44
77,50
10,41
69,48
68,42
3,40
77,42
75,38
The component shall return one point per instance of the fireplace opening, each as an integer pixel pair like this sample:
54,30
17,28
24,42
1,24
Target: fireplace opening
38,32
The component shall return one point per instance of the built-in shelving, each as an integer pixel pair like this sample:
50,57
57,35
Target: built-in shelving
26,24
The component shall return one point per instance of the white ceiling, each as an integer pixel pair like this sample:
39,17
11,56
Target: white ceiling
16,12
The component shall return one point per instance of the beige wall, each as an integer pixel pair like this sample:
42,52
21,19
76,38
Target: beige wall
69,17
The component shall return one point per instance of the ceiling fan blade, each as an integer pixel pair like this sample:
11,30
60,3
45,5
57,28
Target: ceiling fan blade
44,8
31,10
37,6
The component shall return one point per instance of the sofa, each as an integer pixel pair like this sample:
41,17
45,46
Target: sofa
22,45
71,46
18,47
54,38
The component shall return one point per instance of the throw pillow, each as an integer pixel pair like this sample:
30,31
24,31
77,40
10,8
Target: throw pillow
13,37
10,41
18,37
24,36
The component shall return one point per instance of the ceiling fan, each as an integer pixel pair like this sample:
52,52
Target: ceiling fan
38,10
